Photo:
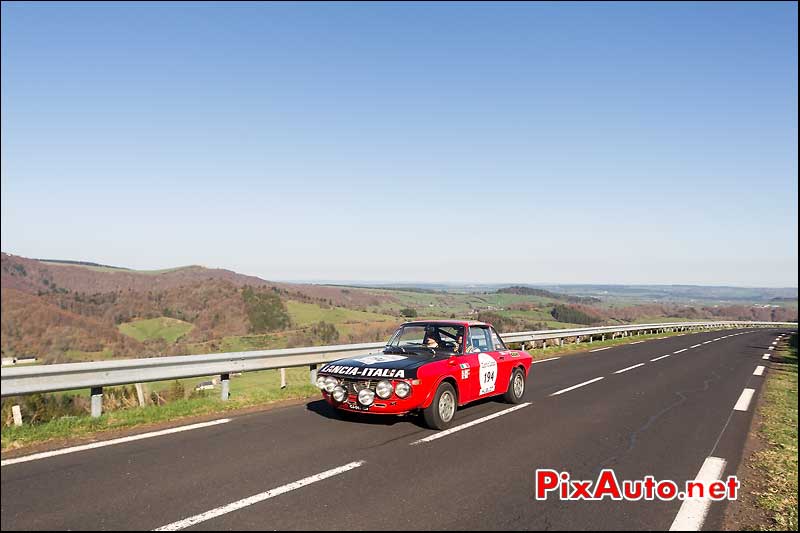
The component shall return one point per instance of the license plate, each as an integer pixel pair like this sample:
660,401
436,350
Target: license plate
357,407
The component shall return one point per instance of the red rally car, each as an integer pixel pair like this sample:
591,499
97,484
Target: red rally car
432,366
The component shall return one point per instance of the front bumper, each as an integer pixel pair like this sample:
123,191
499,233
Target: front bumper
392,406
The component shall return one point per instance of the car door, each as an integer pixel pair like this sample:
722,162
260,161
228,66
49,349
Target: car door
489,376
505,361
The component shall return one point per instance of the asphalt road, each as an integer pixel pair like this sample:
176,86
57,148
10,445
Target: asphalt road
280,469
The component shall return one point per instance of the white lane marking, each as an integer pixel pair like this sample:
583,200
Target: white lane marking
695,346
662,357
707,342
246,502
446,432
774,343
601,349
718,338
637,342
693,511
629,368
771,348
562,391
765,356
545,360
102,444
744,400
759,370
679,351
659,338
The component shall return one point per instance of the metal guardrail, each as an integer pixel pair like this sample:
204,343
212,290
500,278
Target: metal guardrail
69,376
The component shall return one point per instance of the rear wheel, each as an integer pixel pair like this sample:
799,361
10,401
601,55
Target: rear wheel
442,410
516,387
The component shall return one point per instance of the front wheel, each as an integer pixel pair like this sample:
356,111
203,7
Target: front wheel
442,410
516,387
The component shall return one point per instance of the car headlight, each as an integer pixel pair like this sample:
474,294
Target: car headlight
321,382
339,394
384,389
330,383
402,389
366,397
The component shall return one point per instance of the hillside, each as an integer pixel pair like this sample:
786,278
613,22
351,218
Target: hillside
61,310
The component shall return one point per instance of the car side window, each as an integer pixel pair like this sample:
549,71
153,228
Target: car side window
497,341
480,339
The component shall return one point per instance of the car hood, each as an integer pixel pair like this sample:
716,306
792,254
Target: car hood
378,365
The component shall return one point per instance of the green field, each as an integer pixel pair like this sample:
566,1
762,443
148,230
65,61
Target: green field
168,329
304,314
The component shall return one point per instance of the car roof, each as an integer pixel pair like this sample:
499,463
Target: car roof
449,322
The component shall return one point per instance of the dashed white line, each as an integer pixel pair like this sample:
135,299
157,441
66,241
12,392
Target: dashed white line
601,349
718,338
765,356
637,342
695,346
629,368
744,400
246,502
562,391
659,338
662,357
450,431
679,351
693,511
102,444
545,360
759,370
771,348
708,342
775,343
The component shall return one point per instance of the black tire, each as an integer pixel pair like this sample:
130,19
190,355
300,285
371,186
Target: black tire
440,415
514,393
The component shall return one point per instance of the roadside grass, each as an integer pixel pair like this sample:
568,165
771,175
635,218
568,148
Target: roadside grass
778,460
248,390
169,329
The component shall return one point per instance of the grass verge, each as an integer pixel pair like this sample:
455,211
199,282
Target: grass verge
778,460
246,391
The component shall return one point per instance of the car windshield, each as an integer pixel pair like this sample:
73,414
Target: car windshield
428,337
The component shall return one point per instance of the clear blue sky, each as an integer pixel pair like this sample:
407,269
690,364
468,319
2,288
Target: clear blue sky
568,143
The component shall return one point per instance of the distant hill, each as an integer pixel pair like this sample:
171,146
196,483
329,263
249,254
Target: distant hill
64,310
54,308
532,291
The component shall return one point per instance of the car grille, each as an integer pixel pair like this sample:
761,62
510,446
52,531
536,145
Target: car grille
352,386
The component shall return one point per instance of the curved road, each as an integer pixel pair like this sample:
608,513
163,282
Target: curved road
662,408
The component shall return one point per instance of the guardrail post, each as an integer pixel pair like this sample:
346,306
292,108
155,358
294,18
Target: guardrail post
313,372
283,378
140,395
97,401
225,385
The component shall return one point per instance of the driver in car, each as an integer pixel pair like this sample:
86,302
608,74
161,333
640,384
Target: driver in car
432,340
